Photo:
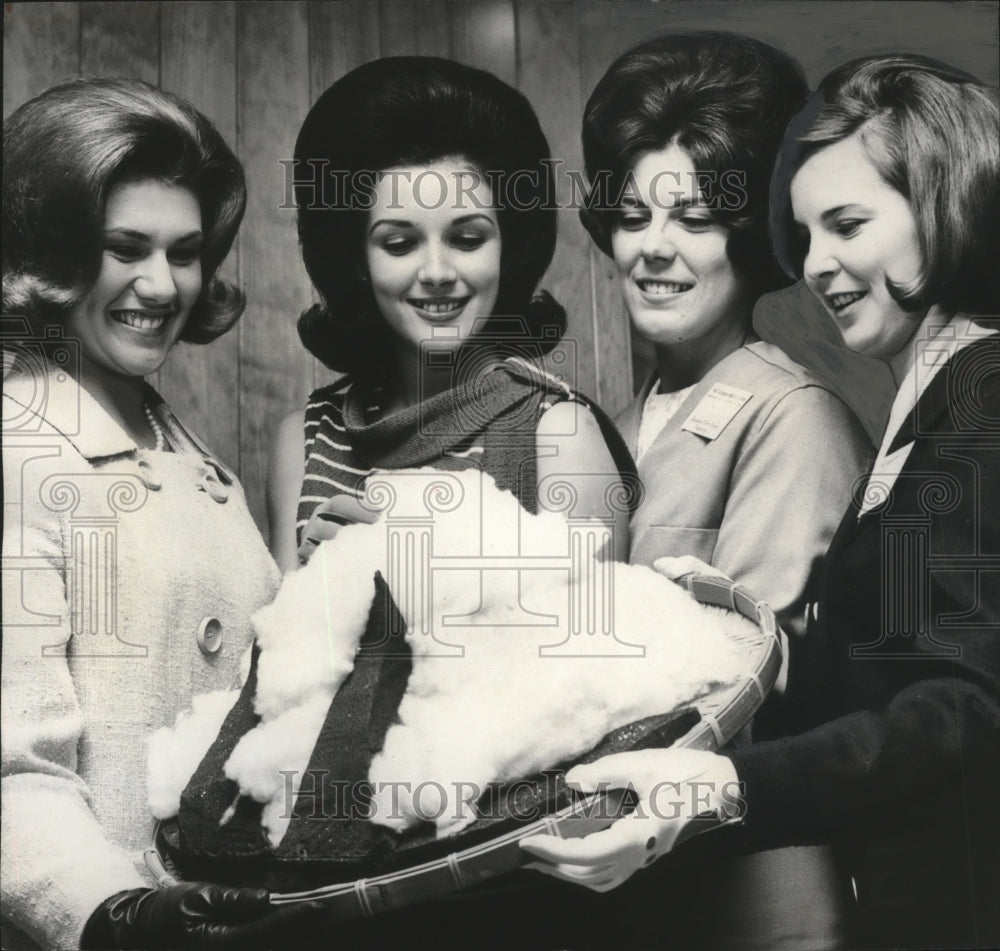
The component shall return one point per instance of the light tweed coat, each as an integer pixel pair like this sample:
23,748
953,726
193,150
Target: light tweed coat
114,559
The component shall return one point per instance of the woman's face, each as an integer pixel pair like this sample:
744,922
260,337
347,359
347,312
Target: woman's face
860,233
433,251
149,280
678,283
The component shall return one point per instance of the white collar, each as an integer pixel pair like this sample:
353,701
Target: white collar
57,397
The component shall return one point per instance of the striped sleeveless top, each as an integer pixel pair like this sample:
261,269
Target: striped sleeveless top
488,424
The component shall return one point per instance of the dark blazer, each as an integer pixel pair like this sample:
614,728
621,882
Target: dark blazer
896,687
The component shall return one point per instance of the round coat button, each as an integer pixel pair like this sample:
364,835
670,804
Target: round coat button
148,475
210,635
214,487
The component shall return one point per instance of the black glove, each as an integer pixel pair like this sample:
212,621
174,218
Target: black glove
192,915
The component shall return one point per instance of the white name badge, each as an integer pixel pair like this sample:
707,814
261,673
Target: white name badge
716,410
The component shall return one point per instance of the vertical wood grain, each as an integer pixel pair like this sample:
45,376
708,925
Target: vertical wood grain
483,35
272,53
625,358
120,39
547,35
342,36
41,47
414,27
285,54
198,54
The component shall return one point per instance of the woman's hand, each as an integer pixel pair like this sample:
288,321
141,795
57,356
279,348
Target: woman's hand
328,518
673,785
197,915
679,567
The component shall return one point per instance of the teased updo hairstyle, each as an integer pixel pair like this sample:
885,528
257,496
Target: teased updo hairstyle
726,100
415,110
932,132
65,150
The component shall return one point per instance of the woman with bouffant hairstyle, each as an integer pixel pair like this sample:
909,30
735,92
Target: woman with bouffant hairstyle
403,111
119,203
746,458
726,100
63,152
886,201
680,136
426,221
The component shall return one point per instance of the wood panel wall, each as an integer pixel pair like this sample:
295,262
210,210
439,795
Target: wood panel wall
254,68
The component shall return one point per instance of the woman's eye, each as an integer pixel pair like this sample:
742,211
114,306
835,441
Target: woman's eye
468,240
125,252
847,227
697,222
185,256
633,220
398,244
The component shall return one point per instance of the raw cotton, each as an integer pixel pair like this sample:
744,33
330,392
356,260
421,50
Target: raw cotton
500,687
175,752
507,709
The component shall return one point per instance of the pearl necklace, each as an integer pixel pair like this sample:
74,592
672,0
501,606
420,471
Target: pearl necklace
154,425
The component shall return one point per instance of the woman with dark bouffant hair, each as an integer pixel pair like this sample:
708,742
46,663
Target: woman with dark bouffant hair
746,458
426,219
680,136
886,202
120,202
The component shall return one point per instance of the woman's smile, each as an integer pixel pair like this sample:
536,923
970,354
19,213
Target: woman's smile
150,323
679,286
861,241
439,309
658,290
150,278
841,303
433,260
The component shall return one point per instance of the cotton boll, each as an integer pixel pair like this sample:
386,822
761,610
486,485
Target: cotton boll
175,752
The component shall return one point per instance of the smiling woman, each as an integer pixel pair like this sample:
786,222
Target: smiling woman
150,279
432,263
888,751
746,459
427,265
680,137
863,246
119,203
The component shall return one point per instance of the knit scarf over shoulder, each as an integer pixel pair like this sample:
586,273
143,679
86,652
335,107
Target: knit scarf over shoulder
501,406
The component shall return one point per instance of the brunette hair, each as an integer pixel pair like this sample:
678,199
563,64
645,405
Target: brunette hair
726,100
415,110
932,132
66,149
